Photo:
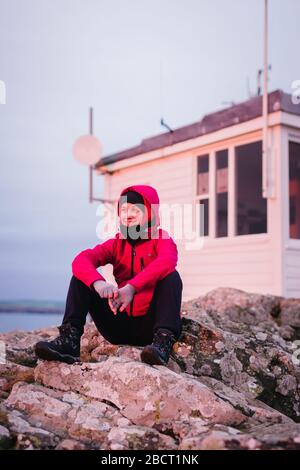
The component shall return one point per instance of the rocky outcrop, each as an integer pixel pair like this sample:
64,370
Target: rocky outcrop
232,383
245,341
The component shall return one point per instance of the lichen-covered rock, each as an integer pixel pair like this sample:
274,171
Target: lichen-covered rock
5,438
162,396
260,438
224,341
71,444
235,304
20,344
40,417
11,373
139,438
65,414
231,383
27,436
290,314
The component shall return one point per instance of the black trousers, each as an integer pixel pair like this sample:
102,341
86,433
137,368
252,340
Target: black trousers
163,312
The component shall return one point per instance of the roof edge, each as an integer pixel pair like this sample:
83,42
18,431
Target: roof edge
243,111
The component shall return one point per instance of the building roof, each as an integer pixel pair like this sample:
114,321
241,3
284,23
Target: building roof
236,114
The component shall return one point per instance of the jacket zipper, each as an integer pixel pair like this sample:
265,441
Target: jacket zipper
132,264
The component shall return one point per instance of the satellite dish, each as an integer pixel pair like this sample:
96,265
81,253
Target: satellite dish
87,150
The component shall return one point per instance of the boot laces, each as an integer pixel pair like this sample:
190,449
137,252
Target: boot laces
164,340
69,335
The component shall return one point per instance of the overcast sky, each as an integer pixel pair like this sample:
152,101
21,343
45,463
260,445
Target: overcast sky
58,57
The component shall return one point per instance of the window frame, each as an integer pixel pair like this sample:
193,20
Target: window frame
203,196
290,242
232,237
215,192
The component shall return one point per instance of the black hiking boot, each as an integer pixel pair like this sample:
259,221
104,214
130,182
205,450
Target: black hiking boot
65,348
159,351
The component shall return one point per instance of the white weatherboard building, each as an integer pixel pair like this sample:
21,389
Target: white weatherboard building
250,242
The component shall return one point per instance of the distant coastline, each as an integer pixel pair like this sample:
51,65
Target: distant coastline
32,306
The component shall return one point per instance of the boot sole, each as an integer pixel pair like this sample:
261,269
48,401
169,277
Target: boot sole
148,356
49,354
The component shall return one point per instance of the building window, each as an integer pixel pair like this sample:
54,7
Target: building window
222,193
203,173
204,222
203,190
294,189
251,206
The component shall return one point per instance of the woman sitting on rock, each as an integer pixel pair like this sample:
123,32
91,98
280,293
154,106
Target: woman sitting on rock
144,310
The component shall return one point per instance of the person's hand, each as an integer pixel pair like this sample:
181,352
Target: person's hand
114,304
105,289
125,296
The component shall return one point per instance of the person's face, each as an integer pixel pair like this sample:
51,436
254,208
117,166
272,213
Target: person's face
130,214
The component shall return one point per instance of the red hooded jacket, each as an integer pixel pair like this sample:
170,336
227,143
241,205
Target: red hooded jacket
142,265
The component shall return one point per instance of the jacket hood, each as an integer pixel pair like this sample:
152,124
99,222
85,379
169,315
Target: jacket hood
151,202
